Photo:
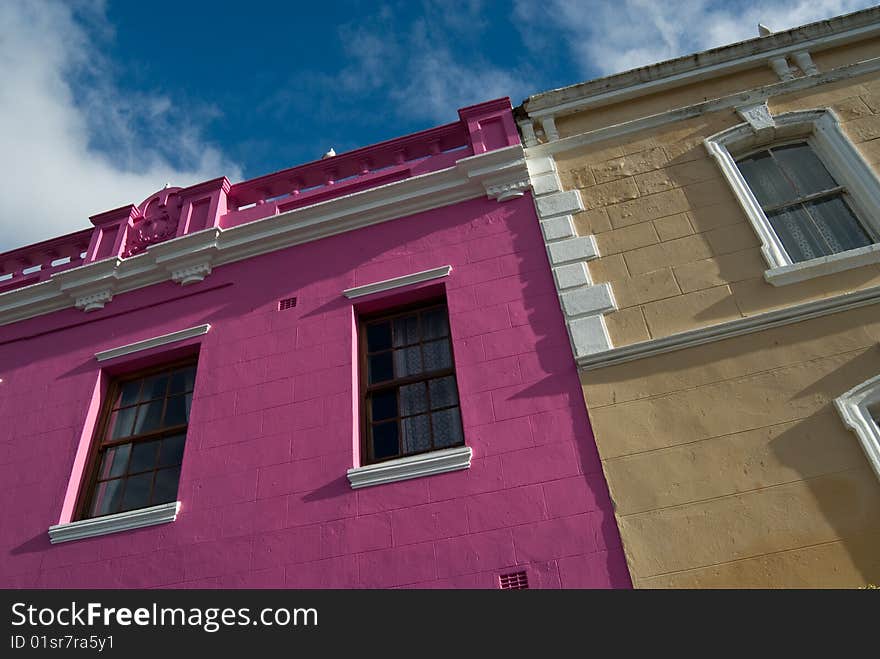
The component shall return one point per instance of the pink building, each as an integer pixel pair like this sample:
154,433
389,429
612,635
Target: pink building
352,373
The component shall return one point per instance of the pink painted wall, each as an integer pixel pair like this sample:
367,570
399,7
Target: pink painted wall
266,502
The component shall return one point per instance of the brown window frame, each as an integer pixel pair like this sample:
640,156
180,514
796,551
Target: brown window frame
367,390
99,446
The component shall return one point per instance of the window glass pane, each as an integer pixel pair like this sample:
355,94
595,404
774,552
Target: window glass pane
171,452
437,355
447,428
407,361
154,387
766,180
143,456
114,462
803,166
434,324
128,393
378,337
406,331
137,491
183,380
149,416
385,443
797,233
175,411
107,497
121,422
837,224
416,434
165,489
413,399
384,405
380,368
444,393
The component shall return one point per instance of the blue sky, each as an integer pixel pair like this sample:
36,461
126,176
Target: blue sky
103,101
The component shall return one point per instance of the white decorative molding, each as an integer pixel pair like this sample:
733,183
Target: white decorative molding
581,248
757,115
507,191
730,329
559,203
805,63
132,519
588,300
571,275
853,409
154,342
821,130
824,265
191,274
93,301
215,246
695,67
413,466
589,335
548,124
558,228
781,68
757,95
528,132
583,304
397,282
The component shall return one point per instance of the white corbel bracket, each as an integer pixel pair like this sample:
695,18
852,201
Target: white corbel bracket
176,256
90,287
507,190
93,301
781,68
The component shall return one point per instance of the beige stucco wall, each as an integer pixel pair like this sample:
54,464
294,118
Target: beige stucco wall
727,462
729,465
674,243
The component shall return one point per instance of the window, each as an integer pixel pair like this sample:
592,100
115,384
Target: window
139,447
810,196
805,206
860,410
410,396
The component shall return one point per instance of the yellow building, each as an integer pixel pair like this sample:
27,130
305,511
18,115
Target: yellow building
713,224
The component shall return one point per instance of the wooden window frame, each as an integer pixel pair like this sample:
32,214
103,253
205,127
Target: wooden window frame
367,390
98,446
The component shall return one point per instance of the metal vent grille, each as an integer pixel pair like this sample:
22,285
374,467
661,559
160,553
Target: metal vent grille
286,303
514,581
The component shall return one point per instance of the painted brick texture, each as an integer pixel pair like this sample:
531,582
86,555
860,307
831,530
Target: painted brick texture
265,498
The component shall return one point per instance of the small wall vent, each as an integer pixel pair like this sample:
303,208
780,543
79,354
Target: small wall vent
514,581
286,303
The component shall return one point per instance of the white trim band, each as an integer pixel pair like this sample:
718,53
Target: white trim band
132,519
853,409
728,330
155,342
397,282
413,466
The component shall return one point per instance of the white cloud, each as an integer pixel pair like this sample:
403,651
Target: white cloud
429,66
608,37
72,144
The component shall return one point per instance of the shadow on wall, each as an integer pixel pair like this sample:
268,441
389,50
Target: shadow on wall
830,459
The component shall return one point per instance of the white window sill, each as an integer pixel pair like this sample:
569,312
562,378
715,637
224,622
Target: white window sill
413,466
824,265
132,519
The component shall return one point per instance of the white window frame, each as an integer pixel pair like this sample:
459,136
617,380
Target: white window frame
853,409
821,129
